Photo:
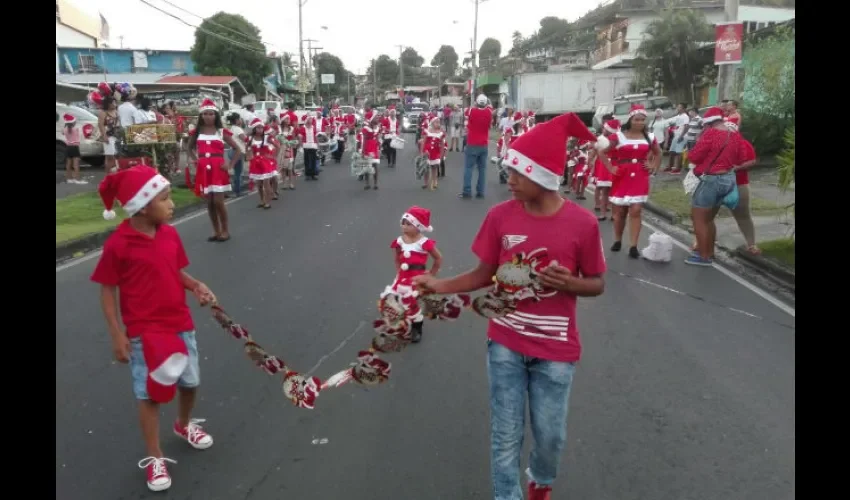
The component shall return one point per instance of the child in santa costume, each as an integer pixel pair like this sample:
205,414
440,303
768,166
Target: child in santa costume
288,141
502,147
411,251
533,350
261,151
212,171
434,146
580,169
603,178
370,148
390,127
144,262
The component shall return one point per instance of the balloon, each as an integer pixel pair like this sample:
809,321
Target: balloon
104,88
96,98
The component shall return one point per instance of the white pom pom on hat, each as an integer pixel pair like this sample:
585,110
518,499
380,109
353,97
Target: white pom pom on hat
602,143
108,214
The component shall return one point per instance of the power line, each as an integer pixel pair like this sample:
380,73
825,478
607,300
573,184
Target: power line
252,38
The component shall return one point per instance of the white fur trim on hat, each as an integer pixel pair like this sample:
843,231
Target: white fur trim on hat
608,129
602,143
209,107
415,222
639,111
711,119
153,187
109,214
529,168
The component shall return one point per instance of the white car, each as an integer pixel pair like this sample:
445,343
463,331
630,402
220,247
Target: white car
91,149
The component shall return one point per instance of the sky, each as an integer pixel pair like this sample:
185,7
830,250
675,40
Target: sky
355,31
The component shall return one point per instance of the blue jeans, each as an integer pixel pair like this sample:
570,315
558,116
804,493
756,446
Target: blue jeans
475,156
190,378
237,174
712,189
515,378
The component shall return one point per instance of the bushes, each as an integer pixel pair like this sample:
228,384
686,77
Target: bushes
766,132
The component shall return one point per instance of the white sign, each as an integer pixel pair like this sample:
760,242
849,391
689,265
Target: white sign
328,79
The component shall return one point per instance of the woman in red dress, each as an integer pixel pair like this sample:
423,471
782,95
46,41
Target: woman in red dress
369,147
604,179
434,145
212,177
261,150
636,156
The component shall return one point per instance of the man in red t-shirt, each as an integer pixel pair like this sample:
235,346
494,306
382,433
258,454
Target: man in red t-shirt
142,269
477,139
550,249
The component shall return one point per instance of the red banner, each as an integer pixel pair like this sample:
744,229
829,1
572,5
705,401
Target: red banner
729,43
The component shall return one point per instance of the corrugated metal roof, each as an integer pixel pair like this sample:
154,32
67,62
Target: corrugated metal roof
199,80
131,78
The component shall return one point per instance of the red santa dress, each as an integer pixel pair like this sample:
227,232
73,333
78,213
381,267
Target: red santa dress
211,175
261,167
412,260
631,181
369,143
434,146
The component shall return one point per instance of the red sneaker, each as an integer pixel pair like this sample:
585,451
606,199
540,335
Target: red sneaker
194,434
158,478
537,492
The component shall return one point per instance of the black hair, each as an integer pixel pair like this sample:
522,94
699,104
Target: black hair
253,133
249,107
628,125
695,110
107,100
607,116
144,103
684,105
232,117
193,139
733,102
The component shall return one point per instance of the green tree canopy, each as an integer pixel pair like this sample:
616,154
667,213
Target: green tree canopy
490,49
446,58
386,69
327,63
244,57
411,58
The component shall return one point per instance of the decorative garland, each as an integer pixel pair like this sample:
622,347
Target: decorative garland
515,281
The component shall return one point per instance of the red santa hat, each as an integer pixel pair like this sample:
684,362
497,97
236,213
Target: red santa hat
612,126
208,105
68,118
256,122
166,357
517,116
637,109
712,115
134,188
539,154
285,116
531,114
419,217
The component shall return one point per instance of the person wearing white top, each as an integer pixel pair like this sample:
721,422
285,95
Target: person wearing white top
677,144
126,113
658,126
234,121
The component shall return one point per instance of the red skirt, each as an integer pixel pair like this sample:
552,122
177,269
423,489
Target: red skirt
261,168
631,185
370,150
211,176
602,174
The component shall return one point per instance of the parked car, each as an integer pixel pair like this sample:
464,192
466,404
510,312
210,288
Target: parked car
620,107
91,149
412,114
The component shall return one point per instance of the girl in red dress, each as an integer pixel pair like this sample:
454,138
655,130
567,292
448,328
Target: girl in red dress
434,145
410,252
261,150
581,170
637,156
370,148
604,179
502,147
212,177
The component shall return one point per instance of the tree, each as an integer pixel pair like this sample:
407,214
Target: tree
244,57
327,63
490,50
670,46
554,32
411,58
517,40
446,58
386,69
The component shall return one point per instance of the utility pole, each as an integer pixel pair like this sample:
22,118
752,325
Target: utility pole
301,4
315,52
400,68
475,47
348,88
726,72
374,82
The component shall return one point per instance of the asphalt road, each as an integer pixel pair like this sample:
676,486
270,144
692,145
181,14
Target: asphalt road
678,397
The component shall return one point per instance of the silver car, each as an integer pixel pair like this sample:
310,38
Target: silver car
91,149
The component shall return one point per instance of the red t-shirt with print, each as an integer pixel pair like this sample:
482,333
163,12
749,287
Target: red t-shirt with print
544,328
147,272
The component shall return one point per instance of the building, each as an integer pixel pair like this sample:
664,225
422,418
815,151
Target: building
620,34
76,59
77,29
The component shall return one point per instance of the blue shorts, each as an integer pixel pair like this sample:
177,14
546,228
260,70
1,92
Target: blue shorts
677,147
191,377
712,189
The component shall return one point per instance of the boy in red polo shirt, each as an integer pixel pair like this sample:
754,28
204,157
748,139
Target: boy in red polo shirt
144,260
532,351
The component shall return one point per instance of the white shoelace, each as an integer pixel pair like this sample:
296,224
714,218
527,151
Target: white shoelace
158,464
193,430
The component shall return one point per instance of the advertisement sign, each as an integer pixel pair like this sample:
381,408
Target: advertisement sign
328,79
729,43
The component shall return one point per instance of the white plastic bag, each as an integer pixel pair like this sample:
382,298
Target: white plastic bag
660,248
690,182
397,142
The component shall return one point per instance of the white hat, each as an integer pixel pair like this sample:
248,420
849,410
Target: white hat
481,100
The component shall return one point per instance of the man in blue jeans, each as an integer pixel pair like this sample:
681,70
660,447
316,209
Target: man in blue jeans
477,139
533,347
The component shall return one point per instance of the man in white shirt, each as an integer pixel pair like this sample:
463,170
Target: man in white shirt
506,120
677,144
127,113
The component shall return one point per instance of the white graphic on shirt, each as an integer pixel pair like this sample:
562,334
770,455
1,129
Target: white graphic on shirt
511,240
534,325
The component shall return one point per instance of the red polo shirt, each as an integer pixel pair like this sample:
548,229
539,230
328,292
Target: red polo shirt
147,273
478,126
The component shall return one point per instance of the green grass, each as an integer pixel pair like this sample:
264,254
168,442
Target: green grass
672,197
781,250
82,214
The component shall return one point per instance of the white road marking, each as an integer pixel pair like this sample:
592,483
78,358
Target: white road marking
791,311
89,256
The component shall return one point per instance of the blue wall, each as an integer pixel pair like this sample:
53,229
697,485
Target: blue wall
121,61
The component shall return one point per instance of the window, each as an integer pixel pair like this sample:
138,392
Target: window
87,62
178,63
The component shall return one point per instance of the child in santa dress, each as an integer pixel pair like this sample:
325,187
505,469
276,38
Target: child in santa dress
534,350
411,251
502,146
581,171
434,145
603,177
144,262
261,169
370,148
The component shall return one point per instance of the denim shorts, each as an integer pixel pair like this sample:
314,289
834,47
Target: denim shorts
139,369
676,146
712,189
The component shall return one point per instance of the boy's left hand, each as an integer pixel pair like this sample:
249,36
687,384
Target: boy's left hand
204,294
557,277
